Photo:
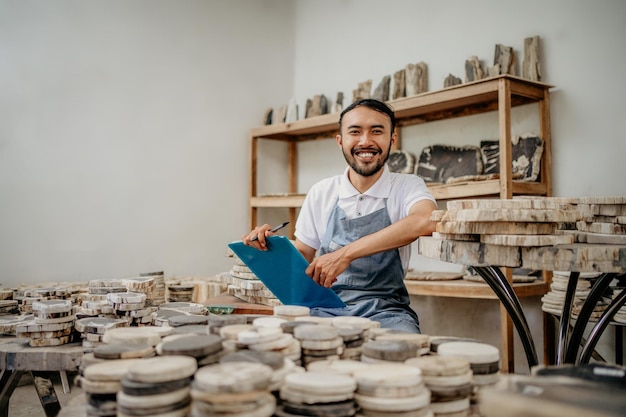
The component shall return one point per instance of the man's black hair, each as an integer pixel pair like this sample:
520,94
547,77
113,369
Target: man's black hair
373,104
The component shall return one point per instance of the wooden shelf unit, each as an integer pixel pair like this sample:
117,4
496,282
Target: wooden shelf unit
499,94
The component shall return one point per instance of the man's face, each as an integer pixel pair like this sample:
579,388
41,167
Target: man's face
365,140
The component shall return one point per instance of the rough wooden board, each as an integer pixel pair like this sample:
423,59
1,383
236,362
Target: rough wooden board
473,69
543,203
451,80
604,228
399,85
506,215
432,276
576,257
505,57
605,219
605,238
457,236
499,228
611,200
531,67
416,78
17,355
381,92
469,253
527,240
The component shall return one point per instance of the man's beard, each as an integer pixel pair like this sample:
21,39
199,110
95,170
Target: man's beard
369,169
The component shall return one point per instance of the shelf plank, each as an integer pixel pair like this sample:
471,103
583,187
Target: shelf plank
460,100
469,289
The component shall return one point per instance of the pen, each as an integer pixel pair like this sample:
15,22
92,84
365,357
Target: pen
274,229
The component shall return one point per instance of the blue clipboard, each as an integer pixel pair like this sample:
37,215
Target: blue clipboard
281,268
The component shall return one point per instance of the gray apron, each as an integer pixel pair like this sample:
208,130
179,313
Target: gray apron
372,286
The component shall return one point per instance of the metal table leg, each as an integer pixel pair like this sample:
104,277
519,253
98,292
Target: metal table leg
600,326
571,348
8,381
565,317
494,277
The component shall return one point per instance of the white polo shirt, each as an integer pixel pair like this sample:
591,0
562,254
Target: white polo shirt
400,190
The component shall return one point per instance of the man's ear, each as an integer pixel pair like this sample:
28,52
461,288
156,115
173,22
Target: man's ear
338,138
394,137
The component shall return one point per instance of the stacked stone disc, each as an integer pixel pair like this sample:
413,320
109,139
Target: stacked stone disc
318,342
449,380
388,351
158,290
180,292
354,331
217,321
317,394
94,302
9,323
52,325
265,339
337,366
291,312
101,380
233,389
206,349
230,336
131,306
395,389
157,387
280,365
33,295
553,300
420,341
143,285
177,308
484,360
92,329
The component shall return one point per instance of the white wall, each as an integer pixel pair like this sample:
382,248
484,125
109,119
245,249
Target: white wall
124,132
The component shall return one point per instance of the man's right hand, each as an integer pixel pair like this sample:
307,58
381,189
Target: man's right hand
260,232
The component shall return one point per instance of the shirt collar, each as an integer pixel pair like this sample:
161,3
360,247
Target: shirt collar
380,189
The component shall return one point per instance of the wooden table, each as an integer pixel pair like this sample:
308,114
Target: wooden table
487,260
17,358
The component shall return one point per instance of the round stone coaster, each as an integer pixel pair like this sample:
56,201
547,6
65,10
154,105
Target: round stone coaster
321,383
316,332
152,401
120,351
282,342
335,409
337,366
287,393
233,377
474,352
162,369
191,329
99,387
351,322
259,335
98,324
390,350
440,365
111,370
392,375
394,404
232,331
126,298
193,345
436,341
291,311
272,359
147,388
455,406
133,335
239,405
186,320
268,322
52,306
289,326
192,308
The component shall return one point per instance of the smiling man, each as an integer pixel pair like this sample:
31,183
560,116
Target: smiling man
356,229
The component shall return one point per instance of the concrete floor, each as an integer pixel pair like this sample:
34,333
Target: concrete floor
25,403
